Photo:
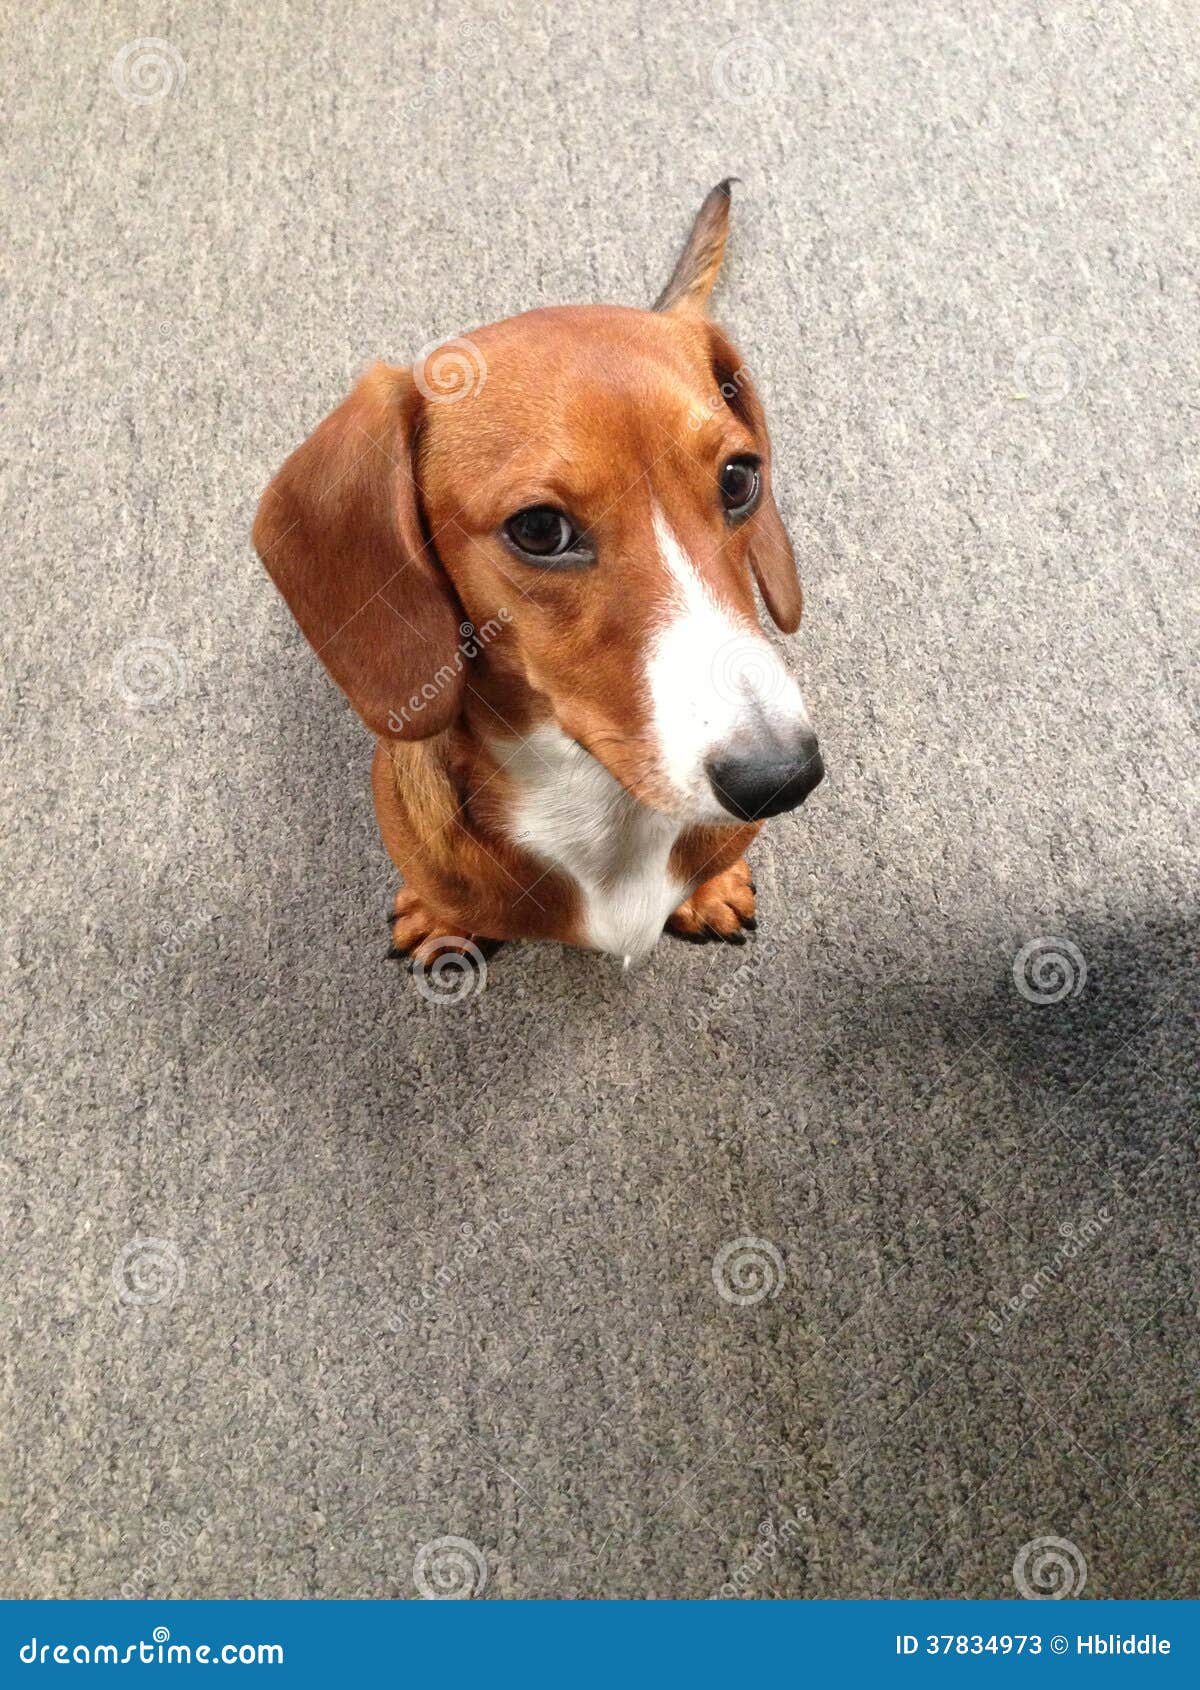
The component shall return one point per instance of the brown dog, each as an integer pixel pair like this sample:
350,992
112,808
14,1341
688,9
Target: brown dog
528,563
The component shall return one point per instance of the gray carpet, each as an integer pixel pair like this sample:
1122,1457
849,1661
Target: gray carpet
308,1274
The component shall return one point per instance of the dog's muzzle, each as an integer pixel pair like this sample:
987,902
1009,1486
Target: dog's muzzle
767,780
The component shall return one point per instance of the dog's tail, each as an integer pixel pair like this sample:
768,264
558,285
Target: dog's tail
693,276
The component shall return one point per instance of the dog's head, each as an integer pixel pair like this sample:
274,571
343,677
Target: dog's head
592,485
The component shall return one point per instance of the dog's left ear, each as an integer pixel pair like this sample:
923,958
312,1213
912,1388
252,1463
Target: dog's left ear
770,552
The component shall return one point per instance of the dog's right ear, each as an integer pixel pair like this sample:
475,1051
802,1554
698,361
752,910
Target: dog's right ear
339,530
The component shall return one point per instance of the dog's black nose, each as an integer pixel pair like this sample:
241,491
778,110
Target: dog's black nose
766,783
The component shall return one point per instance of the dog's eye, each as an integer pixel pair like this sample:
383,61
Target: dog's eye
741,485
544,534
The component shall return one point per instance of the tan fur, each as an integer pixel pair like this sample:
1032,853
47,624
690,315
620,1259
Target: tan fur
382,532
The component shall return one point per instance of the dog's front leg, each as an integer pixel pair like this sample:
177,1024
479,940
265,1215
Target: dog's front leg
436,910
721,905
462,884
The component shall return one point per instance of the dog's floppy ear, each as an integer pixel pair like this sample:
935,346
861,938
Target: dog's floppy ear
339,530
693,276
770,550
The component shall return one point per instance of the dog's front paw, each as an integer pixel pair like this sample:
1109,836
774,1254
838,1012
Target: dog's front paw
423,936
720,908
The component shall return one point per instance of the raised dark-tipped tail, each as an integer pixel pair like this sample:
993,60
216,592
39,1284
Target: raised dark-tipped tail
696,270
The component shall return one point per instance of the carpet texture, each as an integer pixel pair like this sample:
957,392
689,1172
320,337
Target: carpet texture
848,1264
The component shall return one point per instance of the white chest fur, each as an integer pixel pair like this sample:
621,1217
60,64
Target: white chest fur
576,817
